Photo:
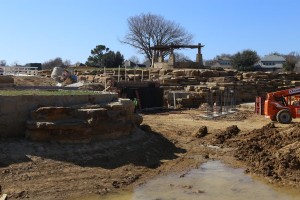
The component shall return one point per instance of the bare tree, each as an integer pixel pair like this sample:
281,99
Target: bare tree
2,63
296,55
291,61
50,64
180,57
146,30
67,62
15,63
134,59
223,55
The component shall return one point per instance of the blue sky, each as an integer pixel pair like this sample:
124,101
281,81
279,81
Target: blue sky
39,30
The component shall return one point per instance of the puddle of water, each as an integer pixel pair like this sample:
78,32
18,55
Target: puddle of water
118,196
213,180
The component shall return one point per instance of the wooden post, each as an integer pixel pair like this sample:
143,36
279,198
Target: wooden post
119,73
152,59
134,74
142,75
174,100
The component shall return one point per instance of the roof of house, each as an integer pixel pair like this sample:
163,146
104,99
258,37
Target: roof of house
273,57
224,58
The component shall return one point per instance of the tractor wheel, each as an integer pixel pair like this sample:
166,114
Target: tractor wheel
273,118
284,117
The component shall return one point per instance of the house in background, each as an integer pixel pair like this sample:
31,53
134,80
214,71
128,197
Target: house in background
128,63
38,66
221,62
272,62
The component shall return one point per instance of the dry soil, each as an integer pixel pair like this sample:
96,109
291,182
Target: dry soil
168,143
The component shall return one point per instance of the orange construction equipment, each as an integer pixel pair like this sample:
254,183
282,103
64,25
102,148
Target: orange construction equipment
259,105
283,105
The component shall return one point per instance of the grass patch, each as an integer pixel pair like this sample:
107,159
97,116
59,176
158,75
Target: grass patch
45,92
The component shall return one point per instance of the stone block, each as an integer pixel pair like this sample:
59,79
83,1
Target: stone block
92,113
207,73
223,73
179,73
190,88
295,83
52,113
192,72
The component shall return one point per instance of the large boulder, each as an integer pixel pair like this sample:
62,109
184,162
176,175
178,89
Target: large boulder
57,73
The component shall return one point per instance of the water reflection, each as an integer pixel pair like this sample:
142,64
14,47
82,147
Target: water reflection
213,180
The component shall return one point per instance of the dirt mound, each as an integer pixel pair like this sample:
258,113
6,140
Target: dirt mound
221,137
237,116
33,81
272,152
200,132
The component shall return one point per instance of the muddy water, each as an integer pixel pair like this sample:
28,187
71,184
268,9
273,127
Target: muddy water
213,180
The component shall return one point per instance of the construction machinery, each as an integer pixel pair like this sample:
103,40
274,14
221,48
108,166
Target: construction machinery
283,105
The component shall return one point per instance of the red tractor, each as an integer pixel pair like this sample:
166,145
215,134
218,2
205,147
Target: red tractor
283,105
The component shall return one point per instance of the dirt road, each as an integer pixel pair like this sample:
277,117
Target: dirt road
55,171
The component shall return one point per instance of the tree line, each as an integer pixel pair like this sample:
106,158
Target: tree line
247,59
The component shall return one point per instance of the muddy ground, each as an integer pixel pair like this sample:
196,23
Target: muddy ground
171,142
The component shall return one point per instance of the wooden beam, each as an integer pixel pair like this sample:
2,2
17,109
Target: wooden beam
172,46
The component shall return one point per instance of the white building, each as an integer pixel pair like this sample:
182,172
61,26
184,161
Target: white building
271,62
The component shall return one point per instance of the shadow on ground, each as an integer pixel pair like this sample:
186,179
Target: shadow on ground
140,148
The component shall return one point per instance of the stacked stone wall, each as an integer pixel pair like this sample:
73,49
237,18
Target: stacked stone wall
15,110
83,124
199,82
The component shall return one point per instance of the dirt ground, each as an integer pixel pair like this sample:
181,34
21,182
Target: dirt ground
33,81
169,143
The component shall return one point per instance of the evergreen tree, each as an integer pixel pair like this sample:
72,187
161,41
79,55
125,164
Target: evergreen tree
245,60
103,57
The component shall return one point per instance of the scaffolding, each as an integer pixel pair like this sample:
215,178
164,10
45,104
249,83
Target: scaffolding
219,102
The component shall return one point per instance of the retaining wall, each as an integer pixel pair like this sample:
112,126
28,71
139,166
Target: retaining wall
15,110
